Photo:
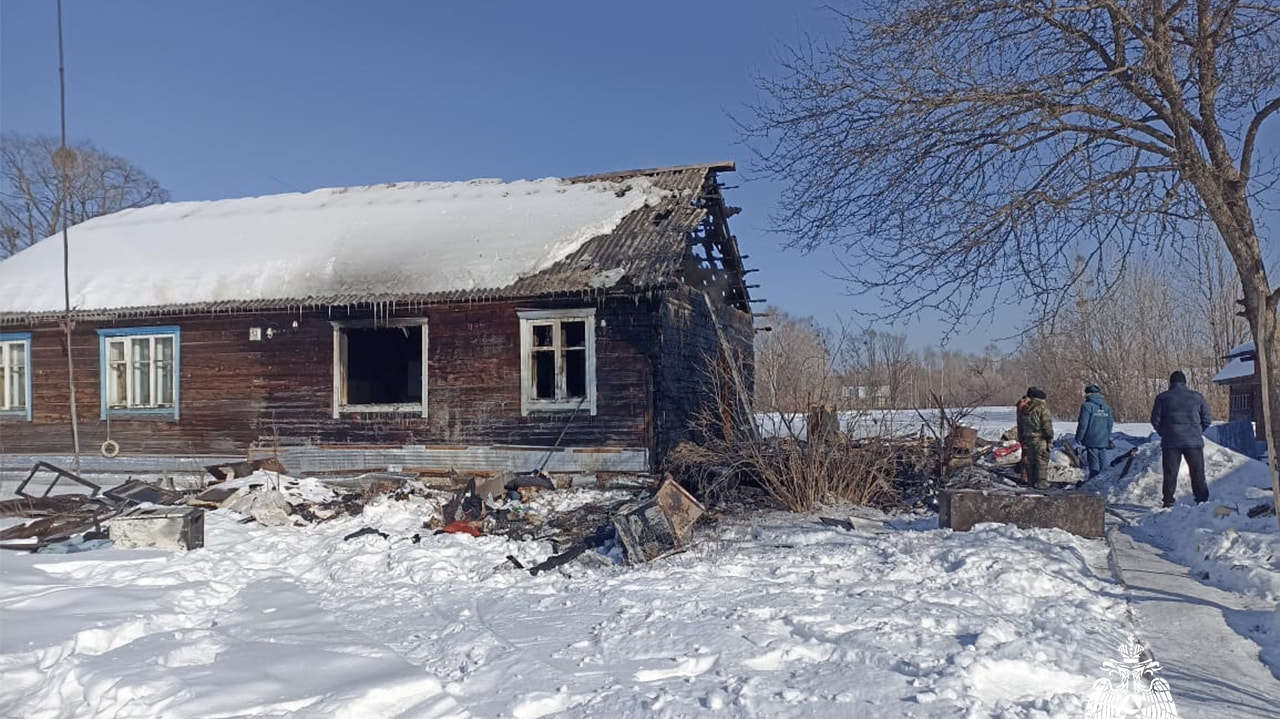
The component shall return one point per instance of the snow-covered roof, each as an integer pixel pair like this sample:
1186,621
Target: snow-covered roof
1244,348
1239,365
332,245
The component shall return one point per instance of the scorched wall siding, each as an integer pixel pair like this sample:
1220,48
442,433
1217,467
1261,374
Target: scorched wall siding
235,392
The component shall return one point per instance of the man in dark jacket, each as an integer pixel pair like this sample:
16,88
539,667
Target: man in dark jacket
1093,429
1035,433
1180,416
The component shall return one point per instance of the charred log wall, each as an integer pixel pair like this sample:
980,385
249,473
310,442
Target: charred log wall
235,391
689,348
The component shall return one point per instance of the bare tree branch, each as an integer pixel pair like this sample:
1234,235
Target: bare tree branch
32,191
964,153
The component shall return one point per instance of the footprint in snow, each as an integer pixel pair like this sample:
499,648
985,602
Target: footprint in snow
686,667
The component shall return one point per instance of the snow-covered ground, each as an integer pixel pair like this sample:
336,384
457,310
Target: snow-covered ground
768,615
772,616
990,422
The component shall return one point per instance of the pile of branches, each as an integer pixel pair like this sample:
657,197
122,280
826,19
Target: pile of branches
801,475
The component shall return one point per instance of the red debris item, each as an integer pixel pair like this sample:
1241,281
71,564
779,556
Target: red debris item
461,528
1006,449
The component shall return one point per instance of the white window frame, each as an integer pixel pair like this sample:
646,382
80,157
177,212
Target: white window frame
528,320
340,404
126,338
9,342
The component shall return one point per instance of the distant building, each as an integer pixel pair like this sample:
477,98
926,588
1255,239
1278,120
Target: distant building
864,395
1241,377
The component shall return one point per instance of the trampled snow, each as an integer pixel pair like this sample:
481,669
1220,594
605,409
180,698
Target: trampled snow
393,239
1218,538
776,616
768,615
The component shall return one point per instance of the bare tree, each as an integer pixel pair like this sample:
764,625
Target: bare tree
1124,339
1212,275
878,365
793,364
32,191
956,146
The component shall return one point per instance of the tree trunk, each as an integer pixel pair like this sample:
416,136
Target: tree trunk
1235,223
1228,205
1268,364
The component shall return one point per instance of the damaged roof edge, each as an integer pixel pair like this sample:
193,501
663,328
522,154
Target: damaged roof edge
648,245
725,166
329,303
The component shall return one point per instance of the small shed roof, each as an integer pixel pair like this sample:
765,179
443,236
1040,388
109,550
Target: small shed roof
416,241
1240,364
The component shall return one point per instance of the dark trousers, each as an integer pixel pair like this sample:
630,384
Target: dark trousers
1172,460
1095,458
1035,461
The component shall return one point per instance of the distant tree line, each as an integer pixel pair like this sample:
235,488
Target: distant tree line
1126,338
44,187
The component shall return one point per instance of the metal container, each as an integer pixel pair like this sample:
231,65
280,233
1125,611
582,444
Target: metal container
174,528
659,525
964,439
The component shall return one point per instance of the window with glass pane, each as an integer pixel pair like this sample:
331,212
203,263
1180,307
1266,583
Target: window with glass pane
558,362
13,375
574,348
141,364
117,375
140,371
164,370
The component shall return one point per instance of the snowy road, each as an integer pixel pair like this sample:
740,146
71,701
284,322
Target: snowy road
1213,670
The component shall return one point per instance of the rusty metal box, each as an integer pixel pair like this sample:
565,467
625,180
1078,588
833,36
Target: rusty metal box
177,528
659,525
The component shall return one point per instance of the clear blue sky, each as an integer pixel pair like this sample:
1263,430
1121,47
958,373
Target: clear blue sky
248,97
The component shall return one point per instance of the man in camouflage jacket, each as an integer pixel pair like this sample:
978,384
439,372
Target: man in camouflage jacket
1035,433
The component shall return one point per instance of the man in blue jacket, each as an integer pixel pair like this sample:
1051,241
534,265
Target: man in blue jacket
1093,429
1180,416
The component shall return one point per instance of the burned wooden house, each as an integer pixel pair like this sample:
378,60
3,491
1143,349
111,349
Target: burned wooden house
468,325
1240,375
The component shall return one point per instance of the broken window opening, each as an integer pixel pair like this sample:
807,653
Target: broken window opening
382,366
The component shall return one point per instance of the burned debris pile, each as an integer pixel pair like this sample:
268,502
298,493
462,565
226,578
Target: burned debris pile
616,518
634,519
815,463
59,506
636,525
55,516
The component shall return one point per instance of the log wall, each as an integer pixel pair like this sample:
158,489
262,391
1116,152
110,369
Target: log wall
651,374
235,392
690,343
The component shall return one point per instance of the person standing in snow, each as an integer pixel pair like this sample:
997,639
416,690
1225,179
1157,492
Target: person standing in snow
1093,429
1180,416
1035,433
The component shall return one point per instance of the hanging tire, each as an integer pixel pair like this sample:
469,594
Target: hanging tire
109,448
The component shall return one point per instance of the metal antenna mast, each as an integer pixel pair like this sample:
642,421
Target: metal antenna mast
65,160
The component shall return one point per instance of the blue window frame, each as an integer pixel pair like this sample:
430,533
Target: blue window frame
15,375
139,367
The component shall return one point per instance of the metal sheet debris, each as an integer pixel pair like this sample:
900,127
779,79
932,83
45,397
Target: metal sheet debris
58,474
135,491
236,470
